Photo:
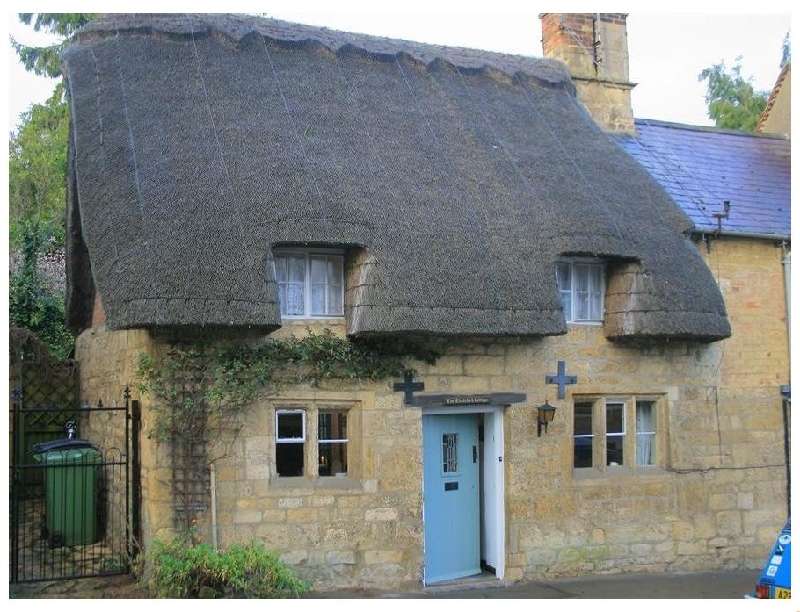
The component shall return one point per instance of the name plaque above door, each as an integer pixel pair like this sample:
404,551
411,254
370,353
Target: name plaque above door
475,399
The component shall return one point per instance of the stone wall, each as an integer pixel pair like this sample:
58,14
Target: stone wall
714,500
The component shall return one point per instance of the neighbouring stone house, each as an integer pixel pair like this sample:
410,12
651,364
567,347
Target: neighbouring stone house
234,179
777,116
736,189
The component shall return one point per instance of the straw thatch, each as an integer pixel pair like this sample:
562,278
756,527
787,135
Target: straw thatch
454,177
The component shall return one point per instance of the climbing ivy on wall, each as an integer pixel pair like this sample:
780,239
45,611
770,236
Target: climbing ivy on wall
201,388
199,385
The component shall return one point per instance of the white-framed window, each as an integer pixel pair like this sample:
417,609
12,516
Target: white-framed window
581,284
600,428
615,433
290,441
310,282
332,442
583,430
302,451
645,432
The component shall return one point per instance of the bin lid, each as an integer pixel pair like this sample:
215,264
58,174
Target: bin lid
62,444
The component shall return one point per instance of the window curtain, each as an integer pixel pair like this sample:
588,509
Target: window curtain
645,433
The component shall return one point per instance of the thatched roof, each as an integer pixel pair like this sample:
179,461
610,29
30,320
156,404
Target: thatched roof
456,177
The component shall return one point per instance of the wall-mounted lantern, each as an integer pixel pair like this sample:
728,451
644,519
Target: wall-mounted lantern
545,414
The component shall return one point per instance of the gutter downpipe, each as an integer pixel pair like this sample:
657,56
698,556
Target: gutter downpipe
213,486
786,390
787,286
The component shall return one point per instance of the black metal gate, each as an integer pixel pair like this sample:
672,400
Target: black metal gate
74,490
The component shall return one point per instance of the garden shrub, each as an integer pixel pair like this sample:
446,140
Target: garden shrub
184,570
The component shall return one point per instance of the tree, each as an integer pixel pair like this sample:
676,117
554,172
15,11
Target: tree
45,61
37,192
732,101
32,304
38,152
37,170
786,49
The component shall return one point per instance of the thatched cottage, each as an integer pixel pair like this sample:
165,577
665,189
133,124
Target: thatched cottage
237,179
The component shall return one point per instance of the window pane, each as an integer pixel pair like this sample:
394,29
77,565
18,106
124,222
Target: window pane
615,418
290,276
332,436
566,297
583,441
335,300
297,268
319,270
449,453
564,276
596,293
595,307
582,277
581,286
289,459
295,300
583,418
614,454
290,425
332,425
645,433
332,458
318,295
581,308
326,285
336,286
615,430
280,269
336,269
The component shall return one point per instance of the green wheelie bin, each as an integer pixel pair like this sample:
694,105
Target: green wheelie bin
70,485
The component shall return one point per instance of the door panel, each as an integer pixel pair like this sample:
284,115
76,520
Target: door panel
451,496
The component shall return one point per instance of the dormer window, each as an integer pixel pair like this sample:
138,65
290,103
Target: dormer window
582,287
310,283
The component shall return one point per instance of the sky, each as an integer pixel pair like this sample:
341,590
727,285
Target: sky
667,50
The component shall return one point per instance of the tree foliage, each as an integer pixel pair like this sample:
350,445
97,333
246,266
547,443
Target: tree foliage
37,190
786,49
37,170
45,61
38,150
732,102
35,306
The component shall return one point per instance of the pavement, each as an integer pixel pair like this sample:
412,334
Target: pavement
733,584
702,585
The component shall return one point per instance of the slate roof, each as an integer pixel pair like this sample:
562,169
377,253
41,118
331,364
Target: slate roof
702,167
455,179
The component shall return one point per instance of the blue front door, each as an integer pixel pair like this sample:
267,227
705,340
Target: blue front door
451,496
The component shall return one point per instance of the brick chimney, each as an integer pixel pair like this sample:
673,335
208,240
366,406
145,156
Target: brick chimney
594,47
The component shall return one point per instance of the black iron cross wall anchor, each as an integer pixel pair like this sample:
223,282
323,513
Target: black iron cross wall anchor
408,387
561,379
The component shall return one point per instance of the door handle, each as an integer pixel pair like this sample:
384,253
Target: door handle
474,454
